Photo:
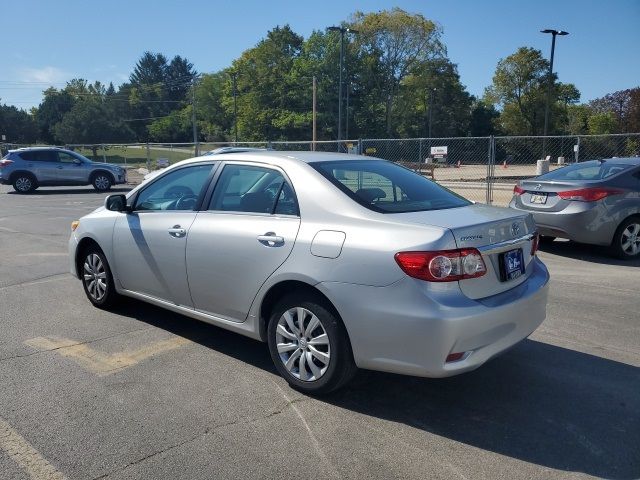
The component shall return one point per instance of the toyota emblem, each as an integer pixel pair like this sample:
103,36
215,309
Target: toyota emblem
515,229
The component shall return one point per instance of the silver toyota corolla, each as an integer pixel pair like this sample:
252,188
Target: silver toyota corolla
336,261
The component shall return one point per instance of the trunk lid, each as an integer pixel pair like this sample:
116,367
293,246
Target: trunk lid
493,231
542,196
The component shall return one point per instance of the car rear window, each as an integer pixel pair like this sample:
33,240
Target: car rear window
385,187
592,170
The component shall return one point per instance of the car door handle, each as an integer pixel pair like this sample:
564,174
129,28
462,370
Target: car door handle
270,239
177,231
59,167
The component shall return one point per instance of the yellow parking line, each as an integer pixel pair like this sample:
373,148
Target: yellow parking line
27,457
101,363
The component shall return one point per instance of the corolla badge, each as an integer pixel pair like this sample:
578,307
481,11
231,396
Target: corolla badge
515,228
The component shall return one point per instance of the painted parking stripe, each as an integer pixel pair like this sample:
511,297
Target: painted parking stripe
25,455
102,363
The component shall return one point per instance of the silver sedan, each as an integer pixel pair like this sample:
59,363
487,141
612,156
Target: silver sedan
336,261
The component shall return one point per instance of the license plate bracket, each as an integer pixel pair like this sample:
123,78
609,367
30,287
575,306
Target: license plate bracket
539,198
511,264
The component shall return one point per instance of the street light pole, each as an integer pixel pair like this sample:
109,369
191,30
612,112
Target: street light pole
549,83
343,31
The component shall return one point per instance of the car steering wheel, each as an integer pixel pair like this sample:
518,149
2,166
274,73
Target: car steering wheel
187,202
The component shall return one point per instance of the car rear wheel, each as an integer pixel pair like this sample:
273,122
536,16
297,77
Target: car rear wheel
309,345
97,279
24,183
101,182
626,241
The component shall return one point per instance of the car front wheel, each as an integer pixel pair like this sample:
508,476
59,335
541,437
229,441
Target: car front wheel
626,241
309,345
101,182
97,279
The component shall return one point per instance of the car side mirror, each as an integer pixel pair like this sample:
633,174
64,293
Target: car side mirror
116,203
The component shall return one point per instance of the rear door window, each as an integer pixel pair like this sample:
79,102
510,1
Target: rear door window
386,187
39,156
253,189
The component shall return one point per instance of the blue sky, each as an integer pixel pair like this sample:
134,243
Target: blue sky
47,43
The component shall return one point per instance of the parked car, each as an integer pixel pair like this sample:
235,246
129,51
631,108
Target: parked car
29,168
336,261
223,150
595,202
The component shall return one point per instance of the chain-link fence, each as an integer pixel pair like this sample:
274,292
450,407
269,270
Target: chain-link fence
483,169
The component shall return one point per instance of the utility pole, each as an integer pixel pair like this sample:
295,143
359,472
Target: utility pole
346,127
431,95
314,138
235,107
343,31
550,82
193,116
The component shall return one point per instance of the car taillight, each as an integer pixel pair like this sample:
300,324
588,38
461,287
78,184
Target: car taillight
535,243
443,265
588,194
5,163
518,190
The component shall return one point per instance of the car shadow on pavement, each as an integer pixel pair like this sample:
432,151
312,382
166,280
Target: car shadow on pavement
538,403
588,253
67,191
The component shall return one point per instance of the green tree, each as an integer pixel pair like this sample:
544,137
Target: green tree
53,107
432,84
395,42
602,123
17,125
269,103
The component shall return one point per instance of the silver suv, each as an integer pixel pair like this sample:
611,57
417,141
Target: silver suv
29,168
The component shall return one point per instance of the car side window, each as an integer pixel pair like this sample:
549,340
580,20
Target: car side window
177,190
250,189
64,157
38,156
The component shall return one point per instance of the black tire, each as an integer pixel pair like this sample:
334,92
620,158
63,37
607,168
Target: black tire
101,181
97,279
24,183
340,368
626,241
546,240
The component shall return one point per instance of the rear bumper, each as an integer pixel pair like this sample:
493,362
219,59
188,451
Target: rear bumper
411,326
581,222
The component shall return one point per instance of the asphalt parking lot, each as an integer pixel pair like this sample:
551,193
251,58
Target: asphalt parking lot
145,393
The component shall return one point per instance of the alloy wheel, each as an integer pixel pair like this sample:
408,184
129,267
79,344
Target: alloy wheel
630,239
303,344
95,277
23,184
101,182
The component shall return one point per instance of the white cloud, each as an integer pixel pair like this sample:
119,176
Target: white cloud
46,74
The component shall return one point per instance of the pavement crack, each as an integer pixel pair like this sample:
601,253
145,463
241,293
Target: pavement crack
205,433
34,280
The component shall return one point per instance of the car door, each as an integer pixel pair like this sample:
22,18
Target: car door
149,242
43,164
246,232
71,170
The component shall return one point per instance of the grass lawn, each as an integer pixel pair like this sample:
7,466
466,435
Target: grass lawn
136,156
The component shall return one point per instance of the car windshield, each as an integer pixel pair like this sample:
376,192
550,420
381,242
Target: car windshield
593,170
386,187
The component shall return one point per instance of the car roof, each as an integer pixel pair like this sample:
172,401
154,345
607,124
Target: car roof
24,149
280,157
624,160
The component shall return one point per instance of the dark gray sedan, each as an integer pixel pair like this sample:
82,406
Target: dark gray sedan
595,202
